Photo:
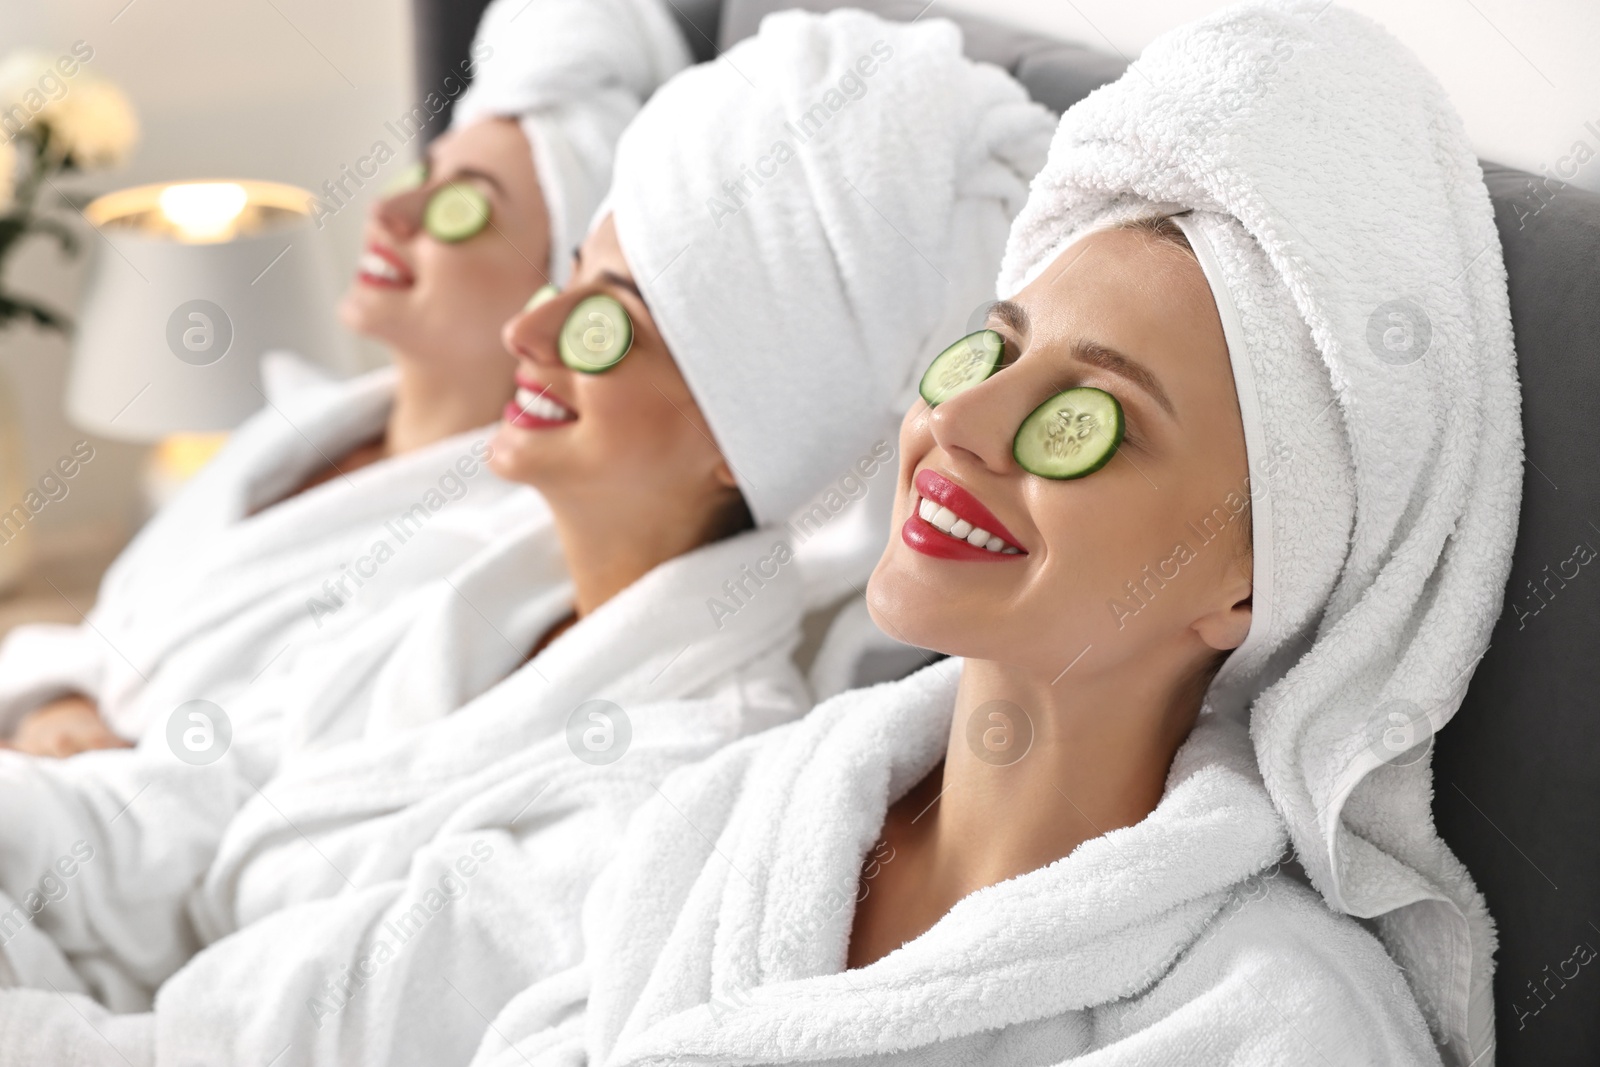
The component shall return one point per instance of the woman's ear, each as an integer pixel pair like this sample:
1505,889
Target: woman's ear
1226,630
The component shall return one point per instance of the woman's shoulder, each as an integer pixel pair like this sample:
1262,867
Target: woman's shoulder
1280,974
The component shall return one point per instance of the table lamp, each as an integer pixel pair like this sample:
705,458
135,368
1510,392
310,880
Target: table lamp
192,283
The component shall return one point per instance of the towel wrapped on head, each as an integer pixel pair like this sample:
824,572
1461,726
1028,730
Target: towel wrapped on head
574,73
810,219
1340,217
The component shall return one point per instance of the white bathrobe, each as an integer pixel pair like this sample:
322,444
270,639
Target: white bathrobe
720,935
487,818
230,580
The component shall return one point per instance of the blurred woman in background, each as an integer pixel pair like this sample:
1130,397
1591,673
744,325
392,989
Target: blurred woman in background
340,498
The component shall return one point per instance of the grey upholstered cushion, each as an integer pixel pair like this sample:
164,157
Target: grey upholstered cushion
699,20
1516,789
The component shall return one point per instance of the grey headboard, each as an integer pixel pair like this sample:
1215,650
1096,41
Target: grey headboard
1517,791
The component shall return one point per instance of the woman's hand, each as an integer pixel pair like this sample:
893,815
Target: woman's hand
64,727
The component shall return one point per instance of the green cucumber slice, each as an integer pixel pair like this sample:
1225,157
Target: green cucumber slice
542,295
961,366
596,335
1072,434
456,212
412,177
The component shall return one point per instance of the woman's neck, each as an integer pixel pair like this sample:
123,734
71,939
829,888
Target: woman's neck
1034,767
1098,759
608,546
432,401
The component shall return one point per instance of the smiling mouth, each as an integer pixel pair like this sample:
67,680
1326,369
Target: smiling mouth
956,528
947,522
376,268
533,408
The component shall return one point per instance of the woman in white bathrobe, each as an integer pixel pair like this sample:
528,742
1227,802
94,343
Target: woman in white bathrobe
339,499
378,900
1219,626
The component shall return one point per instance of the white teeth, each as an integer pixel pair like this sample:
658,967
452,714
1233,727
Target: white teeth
944,520
541,406
376,265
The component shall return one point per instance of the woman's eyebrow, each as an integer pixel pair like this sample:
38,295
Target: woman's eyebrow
1093,353
1109,359
611,277
481,175
1012,314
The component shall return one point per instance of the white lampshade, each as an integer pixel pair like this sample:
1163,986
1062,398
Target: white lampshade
192,283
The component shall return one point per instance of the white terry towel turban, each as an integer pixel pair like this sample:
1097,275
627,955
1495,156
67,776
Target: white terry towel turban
574,73
810,218
1341,220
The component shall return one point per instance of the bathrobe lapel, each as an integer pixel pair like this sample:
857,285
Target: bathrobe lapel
1101,924
212,594
655,651
436,651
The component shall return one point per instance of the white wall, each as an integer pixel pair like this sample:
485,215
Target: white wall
1525,74
285,90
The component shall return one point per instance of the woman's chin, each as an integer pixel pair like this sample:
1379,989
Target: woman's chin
512,456
907,610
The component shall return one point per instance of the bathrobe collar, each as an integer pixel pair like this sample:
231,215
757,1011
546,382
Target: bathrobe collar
1116,912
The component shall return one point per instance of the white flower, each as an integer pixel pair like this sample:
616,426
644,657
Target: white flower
89,118
93,123
21,71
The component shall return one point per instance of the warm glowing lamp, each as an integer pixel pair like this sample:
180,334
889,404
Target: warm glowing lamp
192,283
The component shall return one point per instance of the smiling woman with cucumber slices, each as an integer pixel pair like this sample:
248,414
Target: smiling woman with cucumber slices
1216,556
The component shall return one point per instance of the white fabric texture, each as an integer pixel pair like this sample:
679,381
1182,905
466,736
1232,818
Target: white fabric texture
720,935
1344,227
805,253
209,595
248,945
573,72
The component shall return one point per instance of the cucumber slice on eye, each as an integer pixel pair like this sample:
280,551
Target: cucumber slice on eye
408,179
1072,434
542,295
961,366
456,212
596,335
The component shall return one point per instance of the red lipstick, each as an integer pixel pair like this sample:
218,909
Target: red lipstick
926,537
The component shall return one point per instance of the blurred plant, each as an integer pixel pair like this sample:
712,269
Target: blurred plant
50,126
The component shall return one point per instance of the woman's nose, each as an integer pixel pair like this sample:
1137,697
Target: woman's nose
979,423
533,332
400,216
